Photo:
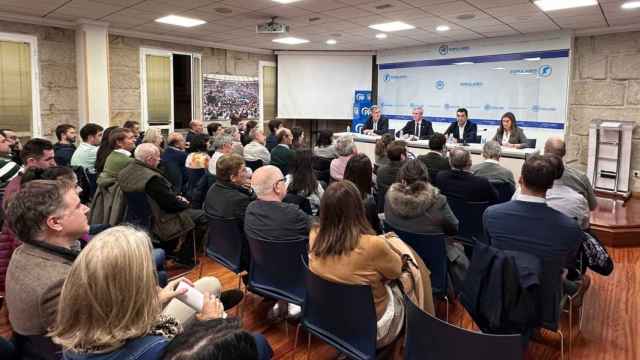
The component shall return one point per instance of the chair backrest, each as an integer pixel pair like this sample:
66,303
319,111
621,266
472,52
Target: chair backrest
504,189
430,338
469,215
275,269
302,202
138,210
225,241
321,168
254,165
432,248
531,143
193,177
342,315
173,173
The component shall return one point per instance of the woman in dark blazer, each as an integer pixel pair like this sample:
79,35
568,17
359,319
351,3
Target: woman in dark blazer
509,134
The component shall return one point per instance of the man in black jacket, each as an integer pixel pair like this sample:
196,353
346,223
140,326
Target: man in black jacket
435,160
65,147
386,175
461,183
418,127
469,129
377,123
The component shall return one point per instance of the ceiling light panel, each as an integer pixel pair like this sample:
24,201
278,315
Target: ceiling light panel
392,26
290,41
180,21
551,5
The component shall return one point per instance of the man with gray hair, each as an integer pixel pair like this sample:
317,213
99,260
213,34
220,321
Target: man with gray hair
222,145
346,148
490,168
418,127
270,219
571,177
460,183
255,149
377,123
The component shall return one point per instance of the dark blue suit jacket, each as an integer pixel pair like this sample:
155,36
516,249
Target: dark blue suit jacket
426,130
470,132
466,186
173,164
383,125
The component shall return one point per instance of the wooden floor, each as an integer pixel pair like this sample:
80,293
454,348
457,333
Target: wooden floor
610,326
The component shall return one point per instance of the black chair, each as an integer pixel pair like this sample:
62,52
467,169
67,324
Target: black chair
428,337
138,210
193,177
469,215
226,243
341,315
173,172
302,202
504,189
531,143
275,273
432,248
322,168
88,189
254,165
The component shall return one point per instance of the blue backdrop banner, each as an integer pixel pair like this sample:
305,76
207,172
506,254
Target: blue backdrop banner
361,110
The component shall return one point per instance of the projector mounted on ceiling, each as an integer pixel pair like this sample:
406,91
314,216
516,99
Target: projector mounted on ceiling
272,27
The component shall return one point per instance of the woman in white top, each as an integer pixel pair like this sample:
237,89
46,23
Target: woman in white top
509,134
301,180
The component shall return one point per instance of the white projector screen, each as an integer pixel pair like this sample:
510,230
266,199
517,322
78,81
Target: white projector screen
321,86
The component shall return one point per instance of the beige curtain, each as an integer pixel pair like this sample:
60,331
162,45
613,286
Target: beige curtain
197,89
159,89
269,92
15,86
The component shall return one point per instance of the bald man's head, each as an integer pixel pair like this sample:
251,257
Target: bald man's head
176,139
268,183
555,146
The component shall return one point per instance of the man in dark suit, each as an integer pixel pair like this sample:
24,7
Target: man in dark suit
435,160
173,161
418,127
376,123
462,125
282,153
461,183
387,175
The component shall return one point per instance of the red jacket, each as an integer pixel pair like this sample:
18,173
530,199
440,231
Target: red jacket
8,240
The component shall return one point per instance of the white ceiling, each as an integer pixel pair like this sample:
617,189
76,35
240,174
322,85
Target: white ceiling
233,21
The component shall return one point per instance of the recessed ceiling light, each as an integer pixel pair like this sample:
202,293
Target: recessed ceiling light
290,40
331,42
631,5
443,28
533,59
465,16
285,1
180,21
463,63
550,5
223,10
392,26
381,36
498,68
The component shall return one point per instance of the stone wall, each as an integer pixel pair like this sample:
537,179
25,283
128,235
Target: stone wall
605,85
124,70
57,64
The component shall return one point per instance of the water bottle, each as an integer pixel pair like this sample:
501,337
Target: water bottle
348,128
450,138
483,137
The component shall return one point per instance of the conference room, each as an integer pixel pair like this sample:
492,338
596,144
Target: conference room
321,179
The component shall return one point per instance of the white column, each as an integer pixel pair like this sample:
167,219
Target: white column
92,59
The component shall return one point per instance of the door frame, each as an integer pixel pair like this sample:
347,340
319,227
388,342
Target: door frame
261,66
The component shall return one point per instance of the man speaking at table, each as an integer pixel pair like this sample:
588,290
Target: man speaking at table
377,124
418,127
463,130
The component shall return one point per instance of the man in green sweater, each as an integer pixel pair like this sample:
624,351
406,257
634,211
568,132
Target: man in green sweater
282,154
123,142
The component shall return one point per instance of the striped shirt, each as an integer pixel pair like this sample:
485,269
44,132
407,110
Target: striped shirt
8,170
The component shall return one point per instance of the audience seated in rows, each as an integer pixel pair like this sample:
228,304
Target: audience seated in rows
571,177
490,168
460,183
229,197
387,175
134,126
346,148
345,249
8,168
282,153
235,134
111,307
272,139
324,145
197,162
380,150
104,149
248,126
436,160
196,127
123,142
64,148
36,153
222,145
85,154
153,136
297,141
214,129
301,181
270,219
48,218
359,171
173,160
255,149
171,215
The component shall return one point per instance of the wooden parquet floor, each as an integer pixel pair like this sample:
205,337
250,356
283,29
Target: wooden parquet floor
610,326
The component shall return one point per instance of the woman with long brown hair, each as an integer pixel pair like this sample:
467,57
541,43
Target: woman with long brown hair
345,249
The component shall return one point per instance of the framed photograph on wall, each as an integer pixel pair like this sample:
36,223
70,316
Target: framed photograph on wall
230,97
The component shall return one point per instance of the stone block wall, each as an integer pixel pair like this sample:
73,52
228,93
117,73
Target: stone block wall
124,70
57,64
605,85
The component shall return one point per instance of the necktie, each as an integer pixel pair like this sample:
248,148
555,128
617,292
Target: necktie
416,132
